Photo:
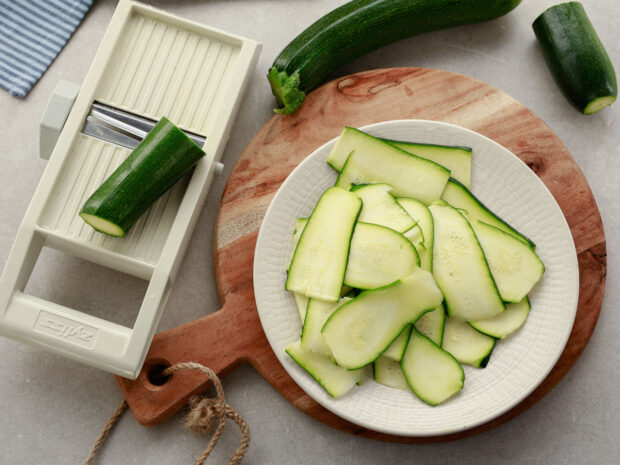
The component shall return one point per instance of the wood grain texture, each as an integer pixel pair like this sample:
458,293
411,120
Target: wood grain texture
233,335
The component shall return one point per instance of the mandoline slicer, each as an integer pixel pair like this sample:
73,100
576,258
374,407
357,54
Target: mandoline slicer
150,64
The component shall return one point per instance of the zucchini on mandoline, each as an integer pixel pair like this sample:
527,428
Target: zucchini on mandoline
359,27
320,259
576,57
155,165
359,331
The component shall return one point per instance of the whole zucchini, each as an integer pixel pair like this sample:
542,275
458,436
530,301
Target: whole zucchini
576,57
362,26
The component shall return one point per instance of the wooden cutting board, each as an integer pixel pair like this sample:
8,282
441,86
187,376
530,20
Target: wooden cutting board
233,336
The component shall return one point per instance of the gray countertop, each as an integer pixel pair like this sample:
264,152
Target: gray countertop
52,408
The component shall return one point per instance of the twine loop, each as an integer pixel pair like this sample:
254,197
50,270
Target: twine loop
204,413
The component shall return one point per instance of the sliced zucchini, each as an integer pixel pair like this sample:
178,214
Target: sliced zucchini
388,372
514,265
466,344
302,305
375,161
320,259
460,197
460,268
379,207
431,324
505,323
433,374
359,331
378,256
456,159
299,228
335,380
346,144
421,214
366,373
316,315
397,348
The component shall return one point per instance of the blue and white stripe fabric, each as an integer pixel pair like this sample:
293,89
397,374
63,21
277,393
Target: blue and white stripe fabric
32,33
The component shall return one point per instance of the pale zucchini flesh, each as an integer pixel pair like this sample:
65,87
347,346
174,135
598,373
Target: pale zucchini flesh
388,373
378,256
456,159
302,304
506,323
380,207
320,259
359,331
299,228
375,161
397,348
334,379
317,313
431,324
457,195
433,374
467,345
421,214
460,267
514,265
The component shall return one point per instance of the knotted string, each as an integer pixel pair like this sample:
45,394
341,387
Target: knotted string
203,413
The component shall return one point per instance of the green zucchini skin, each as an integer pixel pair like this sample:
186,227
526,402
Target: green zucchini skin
576,57
161,159
359,27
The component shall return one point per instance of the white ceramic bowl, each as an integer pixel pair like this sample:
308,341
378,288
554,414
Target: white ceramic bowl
518,364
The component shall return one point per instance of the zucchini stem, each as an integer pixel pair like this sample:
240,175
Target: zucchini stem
286,90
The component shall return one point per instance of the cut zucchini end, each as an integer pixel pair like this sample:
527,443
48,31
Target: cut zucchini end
102,225
598,104
286,90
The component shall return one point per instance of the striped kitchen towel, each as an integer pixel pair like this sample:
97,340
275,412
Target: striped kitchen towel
32,33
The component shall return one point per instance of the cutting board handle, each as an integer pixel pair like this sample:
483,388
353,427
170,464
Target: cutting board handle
219,340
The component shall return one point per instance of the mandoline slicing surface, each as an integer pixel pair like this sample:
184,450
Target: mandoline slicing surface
232,336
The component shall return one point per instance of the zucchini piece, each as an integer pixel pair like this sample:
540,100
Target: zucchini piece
468,346
359,331
457,195
334,379
302,305
505,323
299,228
320,259
388,373
433,374
375,161
457,159
378,256
316,315
576,57
421,214
397,348
460,267
359,27
432,323
379,207
514,265
163,157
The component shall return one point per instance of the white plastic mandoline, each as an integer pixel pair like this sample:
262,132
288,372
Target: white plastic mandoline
151,64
